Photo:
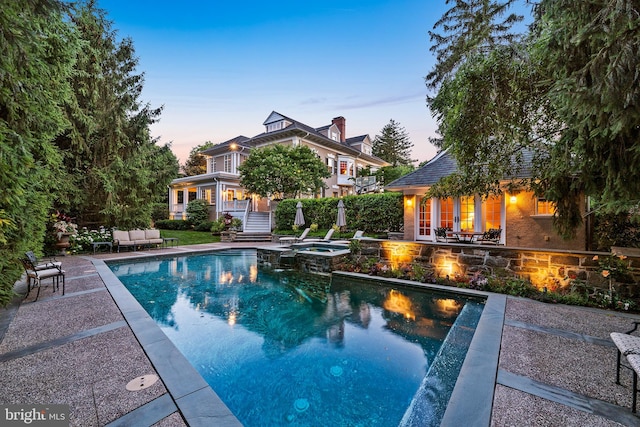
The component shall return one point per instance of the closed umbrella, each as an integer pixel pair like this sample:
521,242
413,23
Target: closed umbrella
299,215
341,221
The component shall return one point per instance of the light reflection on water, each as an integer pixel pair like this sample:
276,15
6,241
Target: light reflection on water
284,349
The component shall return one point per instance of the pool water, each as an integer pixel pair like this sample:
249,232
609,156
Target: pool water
286,349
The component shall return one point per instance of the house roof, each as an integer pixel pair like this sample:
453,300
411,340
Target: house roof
443,164
294,128
240,140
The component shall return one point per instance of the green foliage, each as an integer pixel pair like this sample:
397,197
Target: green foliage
37,54
387,174
204,226
373,213
468,28
393,145
174,224
281,171
198,211
218,226
115,172
568,93
196,163
616,230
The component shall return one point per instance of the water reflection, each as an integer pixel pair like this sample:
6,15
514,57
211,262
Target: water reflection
285,309
250,332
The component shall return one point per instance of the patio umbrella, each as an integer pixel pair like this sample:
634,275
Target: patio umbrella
341,221
299,215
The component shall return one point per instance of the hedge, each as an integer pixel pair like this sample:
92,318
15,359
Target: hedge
372,213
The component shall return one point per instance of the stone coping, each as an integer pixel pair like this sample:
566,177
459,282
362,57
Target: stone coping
472,396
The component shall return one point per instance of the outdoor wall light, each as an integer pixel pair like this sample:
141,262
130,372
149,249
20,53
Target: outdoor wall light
513,199
409,201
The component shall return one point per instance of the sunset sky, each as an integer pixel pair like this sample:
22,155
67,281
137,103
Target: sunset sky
220,68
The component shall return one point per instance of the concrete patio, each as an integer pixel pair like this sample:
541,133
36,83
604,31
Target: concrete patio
556,363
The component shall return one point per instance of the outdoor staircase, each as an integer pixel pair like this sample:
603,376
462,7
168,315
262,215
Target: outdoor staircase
257,228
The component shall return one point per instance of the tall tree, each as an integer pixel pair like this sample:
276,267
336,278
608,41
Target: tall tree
37,53
569,94
196,163
393,145
468,28
283,171
108,145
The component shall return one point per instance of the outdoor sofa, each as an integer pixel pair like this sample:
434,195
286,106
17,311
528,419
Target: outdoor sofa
137,238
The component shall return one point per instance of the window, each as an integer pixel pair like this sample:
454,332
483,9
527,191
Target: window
343,167
424,225
334,136
227,163
446,213
213,164
544,207
331,165
192,195
467,213
180,196
493,207
274,126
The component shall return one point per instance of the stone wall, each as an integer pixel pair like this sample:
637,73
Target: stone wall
550,269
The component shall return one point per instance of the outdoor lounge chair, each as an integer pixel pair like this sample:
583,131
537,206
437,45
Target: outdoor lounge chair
443,236
492,235
326,237
294,239
153,236
629,346
42,264
39,272
357,235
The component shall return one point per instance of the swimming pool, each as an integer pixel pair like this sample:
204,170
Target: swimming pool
284,349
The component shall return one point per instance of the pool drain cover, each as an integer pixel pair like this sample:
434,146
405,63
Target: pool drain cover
336,371
301,405
140,383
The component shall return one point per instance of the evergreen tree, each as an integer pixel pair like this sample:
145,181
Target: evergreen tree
196,163
393,145
569,94
37,51
468,28
108,147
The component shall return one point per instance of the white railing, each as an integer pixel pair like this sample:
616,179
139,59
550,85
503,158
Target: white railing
235,205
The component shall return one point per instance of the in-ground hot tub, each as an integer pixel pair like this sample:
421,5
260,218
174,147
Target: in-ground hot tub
320,247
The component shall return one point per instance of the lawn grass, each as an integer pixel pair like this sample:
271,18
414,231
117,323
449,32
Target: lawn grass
188,237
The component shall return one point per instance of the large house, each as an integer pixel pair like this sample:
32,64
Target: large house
220,185
524,219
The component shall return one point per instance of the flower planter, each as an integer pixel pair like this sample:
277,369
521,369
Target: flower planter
63,243
228,236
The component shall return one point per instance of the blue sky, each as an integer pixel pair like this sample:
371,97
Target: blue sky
219,68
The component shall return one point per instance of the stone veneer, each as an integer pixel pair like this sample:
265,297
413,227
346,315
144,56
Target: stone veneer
544,268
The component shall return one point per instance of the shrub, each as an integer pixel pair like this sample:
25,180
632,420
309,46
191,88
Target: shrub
173,224
373,213
198,211
204,226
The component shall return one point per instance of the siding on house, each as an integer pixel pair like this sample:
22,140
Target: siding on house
522,226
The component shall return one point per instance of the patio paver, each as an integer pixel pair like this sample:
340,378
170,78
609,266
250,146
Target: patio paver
556,363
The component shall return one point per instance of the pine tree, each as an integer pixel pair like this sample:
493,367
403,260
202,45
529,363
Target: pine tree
37,53
466,29
393,145
196,163
108,145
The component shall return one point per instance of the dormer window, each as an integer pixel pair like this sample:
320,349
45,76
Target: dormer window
271,127
277,125
334,136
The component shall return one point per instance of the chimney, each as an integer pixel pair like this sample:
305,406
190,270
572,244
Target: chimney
342,126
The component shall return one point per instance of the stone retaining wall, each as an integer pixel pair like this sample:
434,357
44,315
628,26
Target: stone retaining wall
544,268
